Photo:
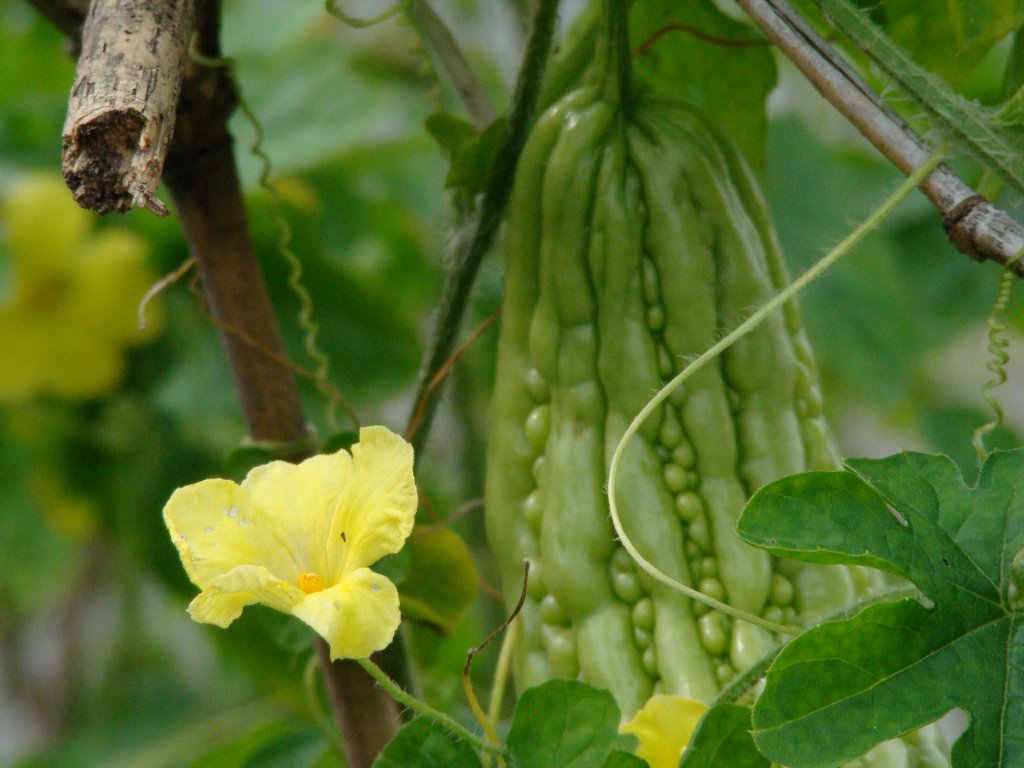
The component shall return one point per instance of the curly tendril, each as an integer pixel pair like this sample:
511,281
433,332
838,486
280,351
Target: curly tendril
997,344
310,328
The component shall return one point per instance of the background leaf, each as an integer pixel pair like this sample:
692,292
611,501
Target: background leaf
624,760
844,686
565,723
947,36
440,580
716,62
424,744
723,739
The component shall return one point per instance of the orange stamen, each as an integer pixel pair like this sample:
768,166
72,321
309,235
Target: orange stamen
310,583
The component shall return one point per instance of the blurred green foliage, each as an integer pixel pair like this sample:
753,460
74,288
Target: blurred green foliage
99,664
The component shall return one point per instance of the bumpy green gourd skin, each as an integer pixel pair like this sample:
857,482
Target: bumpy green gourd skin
636,236
631,245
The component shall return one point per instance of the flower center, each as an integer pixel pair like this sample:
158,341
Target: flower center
47,294
310,583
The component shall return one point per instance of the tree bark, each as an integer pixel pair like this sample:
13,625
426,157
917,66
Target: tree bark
123,102
203,178
132,83
203,181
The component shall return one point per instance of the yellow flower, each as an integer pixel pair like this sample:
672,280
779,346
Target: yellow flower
664,726
299,538
69,515
70,309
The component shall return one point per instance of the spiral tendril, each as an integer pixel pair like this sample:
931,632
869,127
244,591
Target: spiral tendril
998,357
310,328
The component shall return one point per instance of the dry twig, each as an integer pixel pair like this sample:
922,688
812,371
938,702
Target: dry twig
123,102
975,226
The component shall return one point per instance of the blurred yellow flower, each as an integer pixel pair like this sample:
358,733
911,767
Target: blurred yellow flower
299,538
664,726
71,305
69,515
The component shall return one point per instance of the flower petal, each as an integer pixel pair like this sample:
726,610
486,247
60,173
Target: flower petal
216,529
24,347
377,504
44,224
111,280
356,617
223,600
664,726
303,496
78,363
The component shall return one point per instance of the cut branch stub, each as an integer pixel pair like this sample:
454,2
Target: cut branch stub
123,103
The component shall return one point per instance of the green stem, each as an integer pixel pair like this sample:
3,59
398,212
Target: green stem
323,721
614,50
421,707
973,127
467,260
744,328
444,45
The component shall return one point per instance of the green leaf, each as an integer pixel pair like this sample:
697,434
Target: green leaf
286,632
313,98
708,59
565,723
235,753
339,441
723,739
948,427
844,686
247,457
975,129
948,37
440,580
424,744
395,566
451,132
472,165
294,749
619,759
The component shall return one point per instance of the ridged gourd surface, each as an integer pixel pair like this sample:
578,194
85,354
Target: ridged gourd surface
635,238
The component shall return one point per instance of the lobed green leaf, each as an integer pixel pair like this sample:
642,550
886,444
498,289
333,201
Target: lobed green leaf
845,686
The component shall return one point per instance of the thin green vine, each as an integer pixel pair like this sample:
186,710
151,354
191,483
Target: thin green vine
978,130
310,328
469,254
426,710
437,37
998,358
873,221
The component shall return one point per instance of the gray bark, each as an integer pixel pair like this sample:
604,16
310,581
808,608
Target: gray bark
123,102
